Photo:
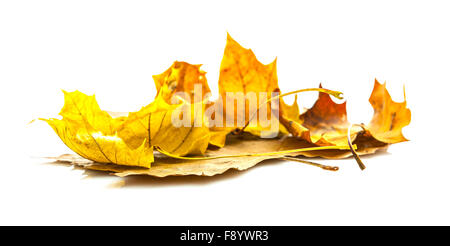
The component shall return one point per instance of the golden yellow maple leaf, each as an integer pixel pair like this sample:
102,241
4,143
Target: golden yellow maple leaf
155,124
95,135
188,82
92,133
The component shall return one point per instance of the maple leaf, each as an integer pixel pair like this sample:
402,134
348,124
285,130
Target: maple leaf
325,123
155,122
240,71
217,160
95,135
124,145
181,78
389,117
92,133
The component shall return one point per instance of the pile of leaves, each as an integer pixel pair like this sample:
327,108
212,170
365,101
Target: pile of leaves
147,143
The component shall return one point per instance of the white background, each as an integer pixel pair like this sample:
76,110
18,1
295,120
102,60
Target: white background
112,48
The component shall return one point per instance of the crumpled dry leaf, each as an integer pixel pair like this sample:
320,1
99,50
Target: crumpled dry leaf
325,123
124,144
166,166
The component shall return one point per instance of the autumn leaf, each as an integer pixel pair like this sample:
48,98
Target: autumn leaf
389,117
88,130
241,72
188,82
325,123
180,124
155,122
92,133
95,135
167,166
181,78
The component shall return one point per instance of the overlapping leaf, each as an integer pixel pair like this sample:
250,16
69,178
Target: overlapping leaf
188,82
92,133
166,166
241,72
180,79
125,145
95,135
326,122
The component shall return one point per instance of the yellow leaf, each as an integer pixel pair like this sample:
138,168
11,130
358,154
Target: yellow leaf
155,122
183,79
92,133
95,135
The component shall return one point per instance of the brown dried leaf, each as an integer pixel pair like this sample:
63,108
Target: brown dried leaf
325,123
236,145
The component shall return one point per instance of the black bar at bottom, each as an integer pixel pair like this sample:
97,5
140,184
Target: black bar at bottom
222,235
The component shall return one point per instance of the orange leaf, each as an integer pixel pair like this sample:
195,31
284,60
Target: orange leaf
389,117
325,123
181,78
241,72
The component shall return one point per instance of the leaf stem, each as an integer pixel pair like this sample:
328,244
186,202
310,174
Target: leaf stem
253,154
355,155
325,167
